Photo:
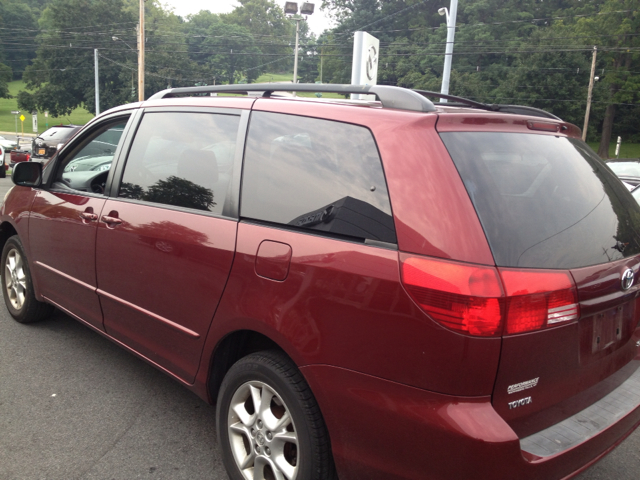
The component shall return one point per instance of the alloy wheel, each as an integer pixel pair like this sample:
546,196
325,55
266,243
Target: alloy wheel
15,279
262,435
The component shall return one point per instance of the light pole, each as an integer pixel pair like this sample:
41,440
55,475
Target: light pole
97,83
291,8
141,45
451,32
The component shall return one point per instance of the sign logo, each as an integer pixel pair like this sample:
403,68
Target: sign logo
518,387
627,279
520,403
372,62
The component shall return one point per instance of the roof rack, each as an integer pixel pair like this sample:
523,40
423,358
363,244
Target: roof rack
390,97
515,109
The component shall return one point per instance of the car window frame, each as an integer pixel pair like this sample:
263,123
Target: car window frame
232,200
302,230
80,140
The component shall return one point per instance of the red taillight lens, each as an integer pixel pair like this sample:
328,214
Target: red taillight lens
538,299
466,298
470,299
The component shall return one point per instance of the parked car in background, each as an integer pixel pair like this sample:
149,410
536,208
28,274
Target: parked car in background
485,327
23,154
7,144
628,170
45,145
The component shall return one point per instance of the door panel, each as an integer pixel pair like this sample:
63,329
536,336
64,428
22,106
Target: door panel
62,234
161,273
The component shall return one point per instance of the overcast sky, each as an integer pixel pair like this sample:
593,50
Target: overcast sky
317,22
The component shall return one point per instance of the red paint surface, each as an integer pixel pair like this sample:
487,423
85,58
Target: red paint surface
170,263
61,239
343,304
567,359
273,259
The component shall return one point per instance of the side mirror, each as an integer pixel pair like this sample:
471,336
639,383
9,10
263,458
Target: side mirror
27,174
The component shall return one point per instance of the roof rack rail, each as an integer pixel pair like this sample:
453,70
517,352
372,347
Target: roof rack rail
515,109
390,97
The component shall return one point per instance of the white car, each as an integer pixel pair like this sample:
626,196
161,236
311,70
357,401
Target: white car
7,144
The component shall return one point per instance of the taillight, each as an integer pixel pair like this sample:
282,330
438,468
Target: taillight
470,299
463,297
538,299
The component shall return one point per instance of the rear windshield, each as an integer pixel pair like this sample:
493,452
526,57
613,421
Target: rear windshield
545,201
625,169
58,133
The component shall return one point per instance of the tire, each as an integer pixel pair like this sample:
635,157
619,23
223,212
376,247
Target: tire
288,440
17,287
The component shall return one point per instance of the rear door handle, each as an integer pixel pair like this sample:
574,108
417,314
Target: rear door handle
111,220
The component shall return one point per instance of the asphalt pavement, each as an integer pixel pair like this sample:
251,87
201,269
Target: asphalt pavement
75,406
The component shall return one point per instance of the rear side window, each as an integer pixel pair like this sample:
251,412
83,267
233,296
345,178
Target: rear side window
316,175
545,201
181,159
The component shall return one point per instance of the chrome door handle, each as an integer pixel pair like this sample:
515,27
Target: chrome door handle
111,220
88,216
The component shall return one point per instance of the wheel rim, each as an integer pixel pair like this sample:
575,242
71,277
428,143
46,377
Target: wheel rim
262,434
15,279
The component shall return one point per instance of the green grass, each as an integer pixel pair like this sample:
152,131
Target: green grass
79,116
286,77
274,77
627,150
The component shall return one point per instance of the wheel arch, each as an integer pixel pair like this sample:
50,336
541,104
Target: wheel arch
232,348
7,230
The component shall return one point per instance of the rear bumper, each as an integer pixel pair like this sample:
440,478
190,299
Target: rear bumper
384,430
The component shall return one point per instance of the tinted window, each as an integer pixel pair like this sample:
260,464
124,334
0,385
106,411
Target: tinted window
315,174
545,201
182,159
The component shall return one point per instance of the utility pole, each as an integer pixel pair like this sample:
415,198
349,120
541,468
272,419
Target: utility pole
591,79
451,32
295,56
95,61
141,47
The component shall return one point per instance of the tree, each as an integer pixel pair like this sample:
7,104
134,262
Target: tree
62,74
232,52
615,31
19,32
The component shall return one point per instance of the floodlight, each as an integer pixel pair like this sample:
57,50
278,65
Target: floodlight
290,8
307,8
442,11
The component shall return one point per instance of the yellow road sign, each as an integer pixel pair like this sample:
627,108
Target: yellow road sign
21,117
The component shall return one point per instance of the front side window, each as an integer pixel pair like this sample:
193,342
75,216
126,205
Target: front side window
86,169
317,175
181,159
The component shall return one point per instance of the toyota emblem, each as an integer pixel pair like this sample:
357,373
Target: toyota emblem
627,279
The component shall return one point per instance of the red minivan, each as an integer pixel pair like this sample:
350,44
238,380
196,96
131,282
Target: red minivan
365,289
